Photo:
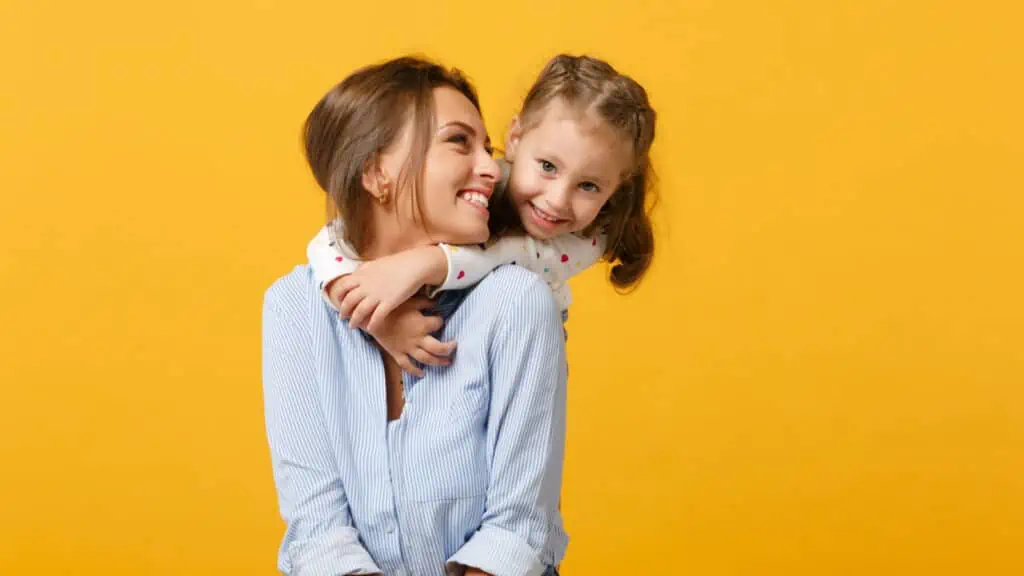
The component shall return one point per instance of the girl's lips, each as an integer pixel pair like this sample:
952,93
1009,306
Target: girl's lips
541,219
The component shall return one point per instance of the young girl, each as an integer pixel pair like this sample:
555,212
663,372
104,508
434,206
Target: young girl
574,183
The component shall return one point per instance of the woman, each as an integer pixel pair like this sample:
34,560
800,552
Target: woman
380,472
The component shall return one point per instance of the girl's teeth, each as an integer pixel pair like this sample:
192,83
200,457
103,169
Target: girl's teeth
545,216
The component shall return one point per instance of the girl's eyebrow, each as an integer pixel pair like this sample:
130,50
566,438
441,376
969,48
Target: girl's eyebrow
551,157
554,159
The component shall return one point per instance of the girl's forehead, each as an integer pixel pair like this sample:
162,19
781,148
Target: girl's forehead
559,110
559,115
586,133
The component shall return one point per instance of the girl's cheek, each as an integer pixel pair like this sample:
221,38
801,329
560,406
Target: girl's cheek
526,190
586,217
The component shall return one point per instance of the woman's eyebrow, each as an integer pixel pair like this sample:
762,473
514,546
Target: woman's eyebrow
466,127
461,124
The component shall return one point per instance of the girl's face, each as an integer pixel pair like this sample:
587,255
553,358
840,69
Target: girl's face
459,174
564,169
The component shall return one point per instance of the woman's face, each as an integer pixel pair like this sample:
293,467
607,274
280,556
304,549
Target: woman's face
459,172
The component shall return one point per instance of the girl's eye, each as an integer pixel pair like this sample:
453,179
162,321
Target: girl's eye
460,139
547,166
589,187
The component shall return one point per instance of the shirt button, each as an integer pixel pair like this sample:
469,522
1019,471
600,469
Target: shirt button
391,528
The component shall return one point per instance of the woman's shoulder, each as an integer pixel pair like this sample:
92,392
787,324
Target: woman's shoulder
291,294
517,291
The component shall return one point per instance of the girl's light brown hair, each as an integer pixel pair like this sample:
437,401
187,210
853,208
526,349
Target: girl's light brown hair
362,117
593,86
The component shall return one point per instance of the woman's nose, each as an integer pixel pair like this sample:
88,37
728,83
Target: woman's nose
487,167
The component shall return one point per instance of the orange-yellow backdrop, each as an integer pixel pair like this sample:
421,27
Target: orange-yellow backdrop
822,375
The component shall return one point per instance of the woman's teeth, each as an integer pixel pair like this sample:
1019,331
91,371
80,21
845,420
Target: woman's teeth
476,198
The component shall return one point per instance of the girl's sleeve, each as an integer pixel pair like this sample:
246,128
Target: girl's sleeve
555,260
329,257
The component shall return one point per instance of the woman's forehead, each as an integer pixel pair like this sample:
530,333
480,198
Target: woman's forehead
450,105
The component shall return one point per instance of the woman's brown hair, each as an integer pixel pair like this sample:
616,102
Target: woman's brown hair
360,118
592,85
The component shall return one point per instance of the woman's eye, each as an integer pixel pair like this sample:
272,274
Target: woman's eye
460,139
589,187
547,166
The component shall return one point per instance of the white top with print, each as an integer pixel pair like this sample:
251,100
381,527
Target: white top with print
554,261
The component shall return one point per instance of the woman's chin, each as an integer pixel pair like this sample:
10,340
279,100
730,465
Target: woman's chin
480,237
470,236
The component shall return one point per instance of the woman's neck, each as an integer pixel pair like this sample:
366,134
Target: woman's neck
389,237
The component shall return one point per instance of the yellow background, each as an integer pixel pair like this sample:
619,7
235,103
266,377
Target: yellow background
822,374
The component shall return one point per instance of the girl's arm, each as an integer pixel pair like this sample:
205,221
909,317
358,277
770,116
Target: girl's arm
406,335
555,260
330,260
371,293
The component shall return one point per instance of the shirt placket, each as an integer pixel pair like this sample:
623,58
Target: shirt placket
393,523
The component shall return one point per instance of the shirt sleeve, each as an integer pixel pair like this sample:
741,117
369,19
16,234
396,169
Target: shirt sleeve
330,257
555,260
521,533
320,538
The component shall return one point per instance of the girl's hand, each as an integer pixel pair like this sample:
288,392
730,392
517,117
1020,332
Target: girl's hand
377,287
406,336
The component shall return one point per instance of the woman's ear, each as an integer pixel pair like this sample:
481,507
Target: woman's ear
370,170
376,182
515,132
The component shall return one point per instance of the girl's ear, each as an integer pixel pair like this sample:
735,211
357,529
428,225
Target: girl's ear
515,132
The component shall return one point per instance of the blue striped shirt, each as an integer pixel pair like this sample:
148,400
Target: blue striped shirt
469,475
